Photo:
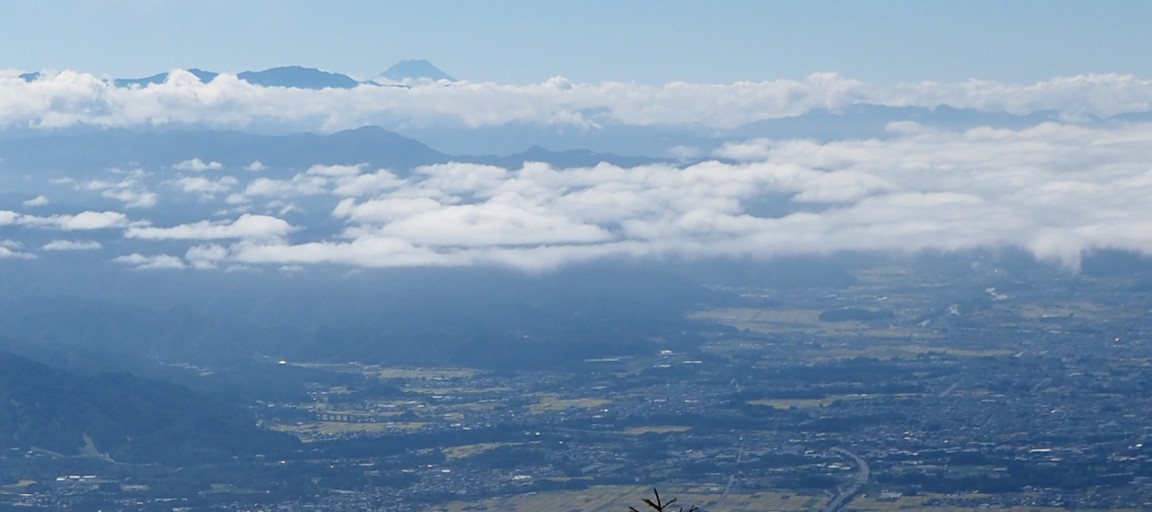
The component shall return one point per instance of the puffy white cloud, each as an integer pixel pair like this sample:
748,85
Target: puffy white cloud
128,190
248,226
204,187
384,210
71,245
133,198
299,185
368,251
341,180
104,185
463,179
11,253
1056,190
334,171
198,165
69,98
235,199
366,184
492,224
40,200
87,220
206,256
158,261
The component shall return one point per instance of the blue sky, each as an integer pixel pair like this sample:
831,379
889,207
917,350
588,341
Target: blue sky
640,40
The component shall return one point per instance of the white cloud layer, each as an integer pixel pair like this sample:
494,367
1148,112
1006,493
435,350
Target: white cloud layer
127,190
203,187
40,200
248,226
154,262
12,249
68,98
1056,190
197,165
87,220
72,245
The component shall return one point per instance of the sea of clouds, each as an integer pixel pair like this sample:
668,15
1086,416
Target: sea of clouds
1056,189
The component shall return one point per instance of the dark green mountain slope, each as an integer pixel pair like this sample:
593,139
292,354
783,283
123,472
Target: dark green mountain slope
122,417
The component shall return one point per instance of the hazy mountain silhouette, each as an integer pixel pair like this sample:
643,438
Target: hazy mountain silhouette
110,148
299,78
288,76
372,145
204,76
415,70
120,416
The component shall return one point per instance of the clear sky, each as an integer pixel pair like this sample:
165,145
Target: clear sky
646,41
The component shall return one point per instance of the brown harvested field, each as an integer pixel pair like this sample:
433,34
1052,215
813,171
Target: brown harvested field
767,321
618,498
468,450
656,429
456,390
550,402
911,503
309,431
878,348
708,497
809,403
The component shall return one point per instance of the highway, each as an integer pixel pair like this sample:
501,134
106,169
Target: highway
843,495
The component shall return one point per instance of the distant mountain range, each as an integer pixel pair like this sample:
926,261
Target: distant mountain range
371,145
857,121
604,134
299,77
204,76
419,69
120,417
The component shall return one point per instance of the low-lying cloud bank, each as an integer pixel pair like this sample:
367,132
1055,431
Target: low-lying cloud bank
69,98
1056,190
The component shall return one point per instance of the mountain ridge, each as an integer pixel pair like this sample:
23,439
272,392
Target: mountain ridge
370,144
120,417
293,76
415,69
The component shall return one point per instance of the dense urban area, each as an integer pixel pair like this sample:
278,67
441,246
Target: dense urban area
927,384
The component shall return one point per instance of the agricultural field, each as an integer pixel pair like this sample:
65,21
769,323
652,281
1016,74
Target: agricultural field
806,321
548,402
808,403
619,498
944,503
468,450
319,429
